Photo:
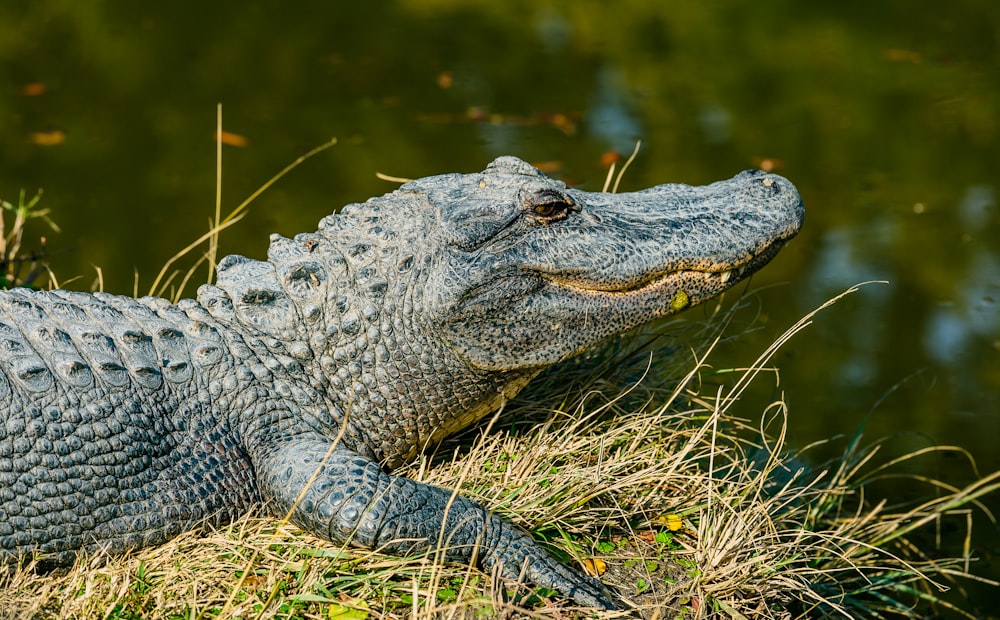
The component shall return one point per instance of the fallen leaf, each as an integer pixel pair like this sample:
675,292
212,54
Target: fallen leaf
768,164
672,521
563,124
548,167
233,139
610,157
898,55
595,567
33,89
49,137
647,536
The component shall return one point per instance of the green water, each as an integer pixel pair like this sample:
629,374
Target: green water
885,116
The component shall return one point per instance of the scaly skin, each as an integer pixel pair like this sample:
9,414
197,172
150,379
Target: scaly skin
401,320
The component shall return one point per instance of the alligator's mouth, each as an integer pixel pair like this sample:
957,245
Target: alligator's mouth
710,279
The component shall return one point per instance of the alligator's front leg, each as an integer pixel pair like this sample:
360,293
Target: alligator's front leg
351,499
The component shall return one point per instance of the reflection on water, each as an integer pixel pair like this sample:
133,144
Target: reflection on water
609,117
973,317
886,118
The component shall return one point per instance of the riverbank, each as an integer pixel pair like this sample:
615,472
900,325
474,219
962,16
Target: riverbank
639,463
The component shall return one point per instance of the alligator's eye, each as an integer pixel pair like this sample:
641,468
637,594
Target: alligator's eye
550,206
549,209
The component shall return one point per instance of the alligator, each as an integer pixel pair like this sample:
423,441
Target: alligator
299,382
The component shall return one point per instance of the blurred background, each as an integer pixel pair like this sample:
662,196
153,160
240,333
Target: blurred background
887,118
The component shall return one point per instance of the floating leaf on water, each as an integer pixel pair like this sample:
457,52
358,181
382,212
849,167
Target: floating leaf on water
610,157
233,139
768,164
900,55
33,89
49,137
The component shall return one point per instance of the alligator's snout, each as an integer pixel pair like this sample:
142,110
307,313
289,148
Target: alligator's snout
765,190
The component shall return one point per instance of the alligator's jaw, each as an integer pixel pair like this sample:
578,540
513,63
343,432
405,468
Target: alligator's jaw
694,285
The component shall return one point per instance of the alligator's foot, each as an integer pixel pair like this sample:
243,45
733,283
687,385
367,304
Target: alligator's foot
521,559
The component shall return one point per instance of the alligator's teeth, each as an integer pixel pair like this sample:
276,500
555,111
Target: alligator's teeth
724,276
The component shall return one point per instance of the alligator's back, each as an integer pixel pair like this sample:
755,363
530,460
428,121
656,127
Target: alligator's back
296,380
111,435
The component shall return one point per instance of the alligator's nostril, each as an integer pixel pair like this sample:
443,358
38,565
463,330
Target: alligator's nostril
771,185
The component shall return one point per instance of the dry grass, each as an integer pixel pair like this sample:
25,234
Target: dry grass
17,268
691,511
625,460
172,282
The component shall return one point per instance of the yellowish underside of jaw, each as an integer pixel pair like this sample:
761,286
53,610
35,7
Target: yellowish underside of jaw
658,281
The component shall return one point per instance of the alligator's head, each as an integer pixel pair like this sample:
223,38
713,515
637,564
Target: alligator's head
529,272
436,300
